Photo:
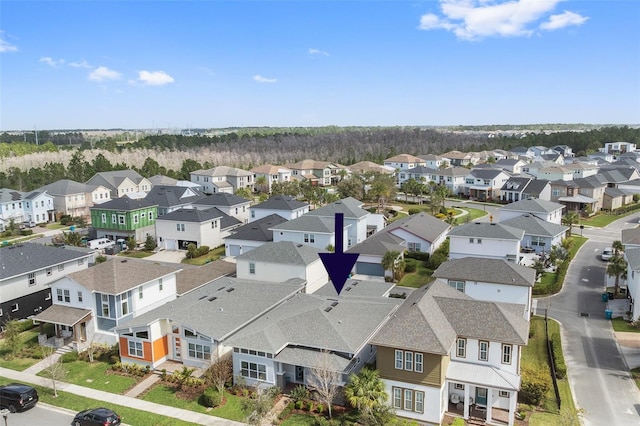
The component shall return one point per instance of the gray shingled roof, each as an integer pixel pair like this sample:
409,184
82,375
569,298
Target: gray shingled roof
516,184
533,225
119,275
258,230
533,206
631,236
632,255
221,199
61,314
65,187
283,252
496,271
425,226
357,288
192,215
308,223
379,244
125,204
114,178
171,196
22,258
350,207
486,173
194,277
432,317
280,202
222,307
8,195
487,230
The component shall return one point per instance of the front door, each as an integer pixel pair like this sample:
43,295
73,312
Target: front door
299,374
177,348
481,396
83,331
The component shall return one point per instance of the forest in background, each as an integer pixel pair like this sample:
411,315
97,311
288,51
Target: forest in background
26,166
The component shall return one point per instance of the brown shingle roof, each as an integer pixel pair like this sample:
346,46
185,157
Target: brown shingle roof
191,278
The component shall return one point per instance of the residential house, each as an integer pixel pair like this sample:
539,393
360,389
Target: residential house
272,174
26,272
539,235
422,174
487,240
632,256
359,222
20,206
364,167
617,148
582,170
460,159
178,229
229,204
553,157
465,359
283,205
523,188
433,161
277,262
491,280
88,305
194,328
251,235
223,179
121,182
539,150
542,209
453,178
568,194
314,231
614,198
593,188
372,250
421,232
485,184
630,238
306,332
404,162
564,150
123,218
38,207
616,176
601,157
317,172
523,151
74,198
511,165
171,198
162,180
555,173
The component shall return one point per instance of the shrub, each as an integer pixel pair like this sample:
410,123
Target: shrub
418,255
299,393
558,356
414,210
202,250
436,260
534,385
69,357
210,398
320,408
25,232
298,405
410,267
310,406
457,422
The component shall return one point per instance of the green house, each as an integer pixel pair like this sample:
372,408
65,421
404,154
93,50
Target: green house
124,217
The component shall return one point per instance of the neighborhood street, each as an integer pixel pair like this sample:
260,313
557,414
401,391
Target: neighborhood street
603,388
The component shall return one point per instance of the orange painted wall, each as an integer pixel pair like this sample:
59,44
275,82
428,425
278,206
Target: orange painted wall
146,350
160,348
123,347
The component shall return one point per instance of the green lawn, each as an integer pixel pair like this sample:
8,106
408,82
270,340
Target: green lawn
78,403
136,254
29,352
636,376
165,395
620,324
96,375
416,279
600,220
214,254
299,420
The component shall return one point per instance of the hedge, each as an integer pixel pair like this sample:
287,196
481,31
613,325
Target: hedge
558,356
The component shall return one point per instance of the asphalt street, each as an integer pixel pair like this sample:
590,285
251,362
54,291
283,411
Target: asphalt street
603,388
41,414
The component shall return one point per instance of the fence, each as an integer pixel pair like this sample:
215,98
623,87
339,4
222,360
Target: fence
552,361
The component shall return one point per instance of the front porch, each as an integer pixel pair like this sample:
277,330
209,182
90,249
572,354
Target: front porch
478,414
69,327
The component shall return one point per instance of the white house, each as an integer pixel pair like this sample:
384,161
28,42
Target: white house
314,231
121,182
372,250
272,174
632,256
404,162
421,232
546,210
616,148
38,206
20,206
485,184
356,219
283,205
254,234
178,229
488,240
229,204
218,177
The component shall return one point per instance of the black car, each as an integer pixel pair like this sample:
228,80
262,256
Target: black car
97,416
17,397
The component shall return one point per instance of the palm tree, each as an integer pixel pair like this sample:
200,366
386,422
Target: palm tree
261,182
618,247
569,219
617,267
365,391
389,261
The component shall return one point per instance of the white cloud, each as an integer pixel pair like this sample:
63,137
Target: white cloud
5,46
154,78
476,19
207,71
565,19
317,52
261,79
82,64
50,61
104,73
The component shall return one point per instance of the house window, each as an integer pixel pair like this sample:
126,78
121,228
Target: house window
135,219
408,400
120,219
32,278
124,304
199,351
143,215
414,246
140,293
104,218
214,224
483,351
49,272
418,362
114,219
309,238
471,240
79,296
503,394
14,307
160,285
59,294
67,296
253,370
150,216
419,408
506,354
458,285
253,214
408,360
180,227
105,305
252,268
458,386
479,240
399,359
135,349
397,398
461,348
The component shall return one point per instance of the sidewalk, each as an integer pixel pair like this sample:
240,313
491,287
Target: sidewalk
127,401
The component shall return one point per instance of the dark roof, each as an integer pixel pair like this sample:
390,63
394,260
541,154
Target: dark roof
65,187
486,173
192,215
125,203
221,199
280,202
350,207
170,196
258,230
284,253
226,221
498,271
534,226
22,258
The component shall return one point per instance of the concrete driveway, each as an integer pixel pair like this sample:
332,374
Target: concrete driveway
168,256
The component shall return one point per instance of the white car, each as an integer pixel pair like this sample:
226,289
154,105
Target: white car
606,254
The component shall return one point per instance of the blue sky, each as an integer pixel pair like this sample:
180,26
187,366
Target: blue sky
212,64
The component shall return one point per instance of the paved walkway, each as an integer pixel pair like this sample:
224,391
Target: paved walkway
127,401
41,365
135,391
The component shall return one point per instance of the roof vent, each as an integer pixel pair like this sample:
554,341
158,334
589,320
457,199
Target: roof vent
202,297
221,288
355,283
123,261
328,309
229,290
334,304
211,299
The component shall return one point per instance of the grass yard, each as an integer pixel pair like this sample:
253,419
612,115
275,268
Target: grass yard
416,279
136,254
54,226
473,214
165,395
636,376
78,403
214,254
29,351
96,376
599,221
620,324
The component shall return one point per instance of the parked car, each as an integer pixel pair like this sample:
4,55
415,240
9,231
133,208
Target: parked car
97,416
606,254
17,397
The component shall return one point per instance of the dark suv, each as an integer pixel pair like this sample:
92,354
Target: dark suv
17,397
97,416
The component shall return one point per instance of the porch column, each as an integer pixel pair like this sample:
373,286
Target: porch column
513,399
489,404
466,402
